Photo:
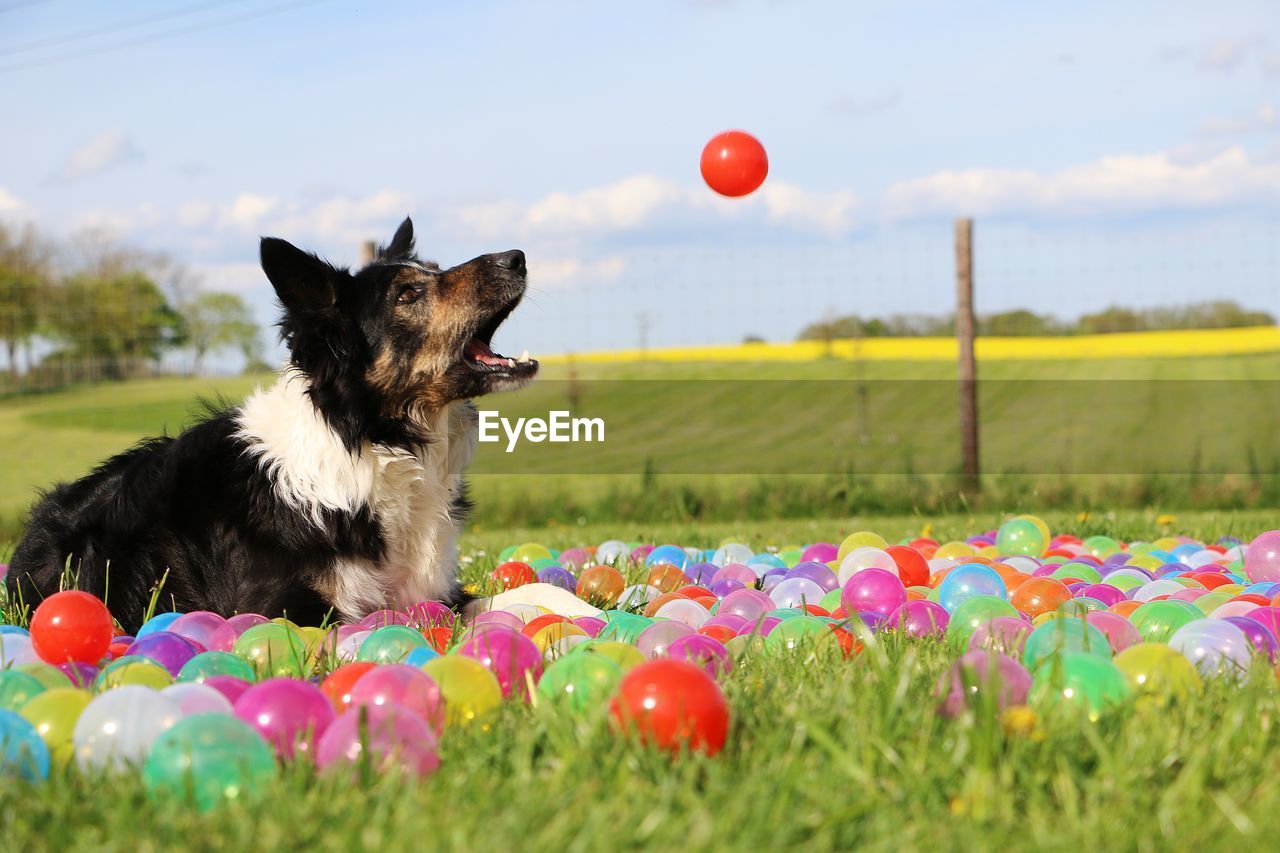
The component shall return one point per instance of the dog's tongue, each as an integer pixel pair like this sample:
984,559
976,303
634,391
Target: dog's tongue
478,350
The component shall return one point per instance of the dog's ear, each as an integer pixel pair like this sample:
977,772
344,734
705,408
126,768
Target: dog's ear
304,283
401,245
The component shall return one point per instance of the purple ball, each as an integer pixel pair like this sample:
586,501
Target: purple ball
290,713
982,674
738,572
1105,593
382,618
702,651
557,576
761,625
171,651
80,673
592,625
1267,616
700,574
732,621
206,628
1005,634
1262,637
816,572
920,619
722,587
874,620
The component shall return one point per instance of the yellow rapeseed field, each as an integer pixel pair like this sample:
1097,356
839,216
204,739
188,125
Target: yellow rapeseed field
1171,344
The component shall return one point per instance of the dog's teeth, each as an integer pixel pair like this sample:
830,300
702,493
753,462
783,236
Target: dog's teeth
524,357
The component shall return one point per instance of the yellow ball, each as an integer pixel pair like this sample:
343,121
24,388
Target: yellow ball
1157,672
623,654
955,549
54,714
471,692
530,551
554,633
132,671
1039,523
861,539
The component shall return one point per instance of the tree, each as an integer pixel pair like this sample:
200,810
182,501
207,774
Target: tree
218,320
24,289
120,321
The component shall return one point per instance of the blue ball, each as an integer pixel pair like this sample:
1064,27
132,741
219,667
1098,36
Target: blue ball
22,751
671,555
421,655
969,580
14,629
159,622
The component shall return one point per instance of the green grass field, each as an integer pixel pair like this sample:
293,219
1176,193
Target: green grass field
712,441
823,753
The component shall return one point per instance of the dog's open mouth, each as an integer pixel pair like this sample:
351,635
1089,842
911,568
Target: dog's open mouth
480,356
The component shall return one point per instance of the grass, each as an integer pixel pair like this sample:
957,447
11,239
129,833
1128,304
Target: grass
823,753
712,441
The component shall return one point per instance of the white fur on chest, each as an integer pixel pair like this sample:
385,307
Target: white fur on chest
409,493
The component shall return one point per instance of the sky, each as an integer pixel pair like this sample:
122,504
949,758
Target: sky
1110,152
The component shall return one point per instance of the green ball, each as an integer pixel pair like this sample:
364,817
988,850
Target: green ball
530,551
623,627
1020,536
17,689
50,676
208,664
791,557
785,613
1211,601
544,563
1157,620
506,554
209,759
831,600
273,649
1081,682
1057,637
973,613
1101,546
803,632
1080,607
1079,571
390,644
580,683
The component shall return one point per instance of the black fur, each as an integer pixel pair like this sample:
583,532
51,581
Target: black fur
196,517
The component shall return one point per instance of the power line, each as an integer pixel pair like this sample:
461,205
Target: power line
40,44
155,37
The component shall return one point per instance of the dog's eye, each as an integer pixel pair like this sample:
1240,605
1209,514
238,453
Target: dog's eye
408,295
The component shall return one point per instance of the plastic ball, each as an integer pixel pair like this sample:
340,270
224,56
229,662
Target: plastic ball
804,633
338,684
705,652
17,689
966,581
209,759
273,650
406,687
1080,681
972,614
15,650
193,698
22,752
1264,641
673,705
513,574
116,729
1020,536
1040,595
1262,557
1063,636
875,590
391,644
513,659
1157,621
71,626
919,619
1157,672
171,651
1215,646
132,671
1004,634
625,656
982,680
49,676
208,629
470,691
208,664
381,739
580,683
289,713
54,714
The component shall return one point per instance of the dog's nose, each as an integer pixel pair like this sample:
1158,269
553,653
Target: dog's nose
513,260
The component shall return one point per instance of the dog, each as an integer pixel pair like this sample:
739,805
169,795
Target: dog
337,491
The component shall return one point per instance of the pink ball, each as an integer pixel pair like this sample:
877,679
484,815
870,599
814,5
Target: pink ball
430,614
1119,631
1262,557
590,624
654,640
820,552
1004,634
242,622
206,628
389,737
403,686
512,658
707,653
735,571
291,714
919,618
750,604
1268,616
876,590
228,685
499,617
382,618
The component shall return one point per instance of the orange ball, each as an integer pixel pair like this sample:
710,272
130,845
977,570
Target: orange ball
536,624
1039,595
667,577
338,684
913,569
673,705
652,607
513,574
601,586
71,626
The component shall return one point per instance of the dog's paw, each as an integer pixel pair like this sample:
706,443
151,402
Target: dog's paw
545,595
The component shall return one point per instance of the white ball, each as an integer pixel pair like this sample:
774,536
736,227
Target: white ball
1215,646
864,558
610,551
691,613
15,650
117,728
638,595
349,646
193,698
734,552
794,592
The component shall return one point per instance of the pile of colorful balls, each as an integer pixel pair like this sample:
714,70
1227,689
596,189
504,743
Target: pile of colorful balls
208,708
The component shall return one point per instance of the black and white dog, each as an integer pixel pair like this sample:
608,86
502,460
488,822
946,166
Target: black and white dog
333,493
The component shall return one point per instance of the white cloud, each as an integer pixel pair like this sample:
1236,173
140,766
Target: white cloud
10,203
1114,184
235,276
1265,118
247,211
105,151
830,212
1227,54
548,273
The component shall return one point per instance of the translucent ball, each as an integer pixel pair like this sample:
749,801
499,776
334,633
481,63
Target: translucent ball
116,729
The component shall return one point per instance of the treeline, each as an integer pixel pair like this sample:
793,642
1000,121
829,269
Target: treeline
1219,314
94,310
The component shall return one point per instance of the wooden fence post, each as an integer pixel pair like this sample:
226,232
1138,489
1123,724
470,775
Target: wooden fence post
972,473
